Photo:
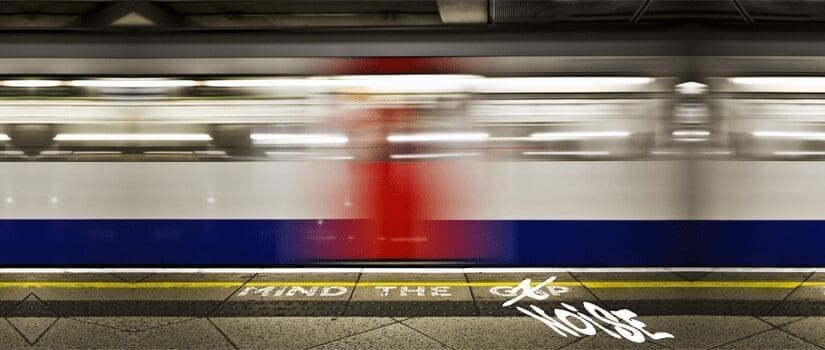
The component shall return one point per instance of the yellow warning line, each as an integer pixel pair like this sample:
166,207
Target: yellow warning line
695,284
235,284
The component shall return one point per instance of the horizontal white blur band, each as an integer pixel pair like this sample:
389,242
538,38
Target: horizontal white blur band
439,137
779,84
298,139
132,83
801,135
31,83
577,135
132,137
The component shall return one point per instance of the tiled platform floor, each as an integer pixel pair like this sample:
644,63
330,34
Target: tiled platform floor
378,310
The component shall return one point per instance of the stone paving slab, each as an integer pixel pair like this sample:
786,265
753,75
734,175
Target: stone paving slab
489,332
293,332
704,332
773,339
812,329
394,336
690,332
601,341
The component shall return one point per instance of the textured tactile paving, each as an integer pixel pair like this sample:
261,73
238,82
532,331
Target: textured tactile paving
695,307
133,308
411,308
800,308
31,306
281,308
293,332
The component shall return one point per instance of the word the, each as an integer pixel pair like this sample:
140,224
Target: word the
415,291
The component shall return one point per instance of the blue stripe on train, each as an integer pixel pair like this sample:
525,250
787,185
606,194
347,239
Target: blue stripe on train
575,243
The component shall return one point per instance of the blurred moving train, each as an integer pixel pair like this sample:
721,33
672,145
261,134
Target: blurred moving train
378,165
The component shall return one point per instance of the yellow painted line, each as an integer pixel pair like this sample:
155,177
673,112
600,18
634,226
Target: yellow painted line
457,284
813,284
235,284
118,285
695,284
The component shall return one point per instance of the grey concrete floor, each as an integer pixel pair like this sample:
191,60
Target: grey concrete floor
690,332
423,311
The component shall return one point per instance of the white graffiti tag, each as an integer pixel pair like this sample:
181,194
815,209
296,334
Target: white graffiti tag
570,321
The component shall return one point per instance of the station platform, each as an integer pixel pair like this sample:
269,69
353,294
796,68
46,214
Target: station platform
416,308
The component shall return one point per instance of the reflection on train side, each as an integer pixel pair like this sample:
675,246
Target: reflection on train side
359,118
410,118
429,167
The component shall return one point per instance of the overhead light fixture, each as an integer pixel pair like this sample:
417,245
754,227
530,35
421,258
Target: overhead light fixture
53,153
802,135
440,137
168,153
433,155
96,153
799,153
31,83
576,135
5,137
691,133
559,84
780,84
132,83
693,139
666,152
403,83
691,88
333,158
567,153
306,156
298,139
716,152
133,137
290,154
212,153
11,153
251,83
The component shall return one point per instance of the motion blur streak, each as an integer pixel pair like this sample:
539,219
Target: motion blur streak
426,160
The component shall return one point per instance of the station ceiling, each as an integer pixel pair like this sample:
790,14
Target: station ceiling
273,14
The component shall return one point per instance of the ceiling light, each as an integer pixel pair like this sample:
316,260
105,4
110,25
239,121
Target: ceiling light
133,137
132,83
246,83
691,133
576,135
804,135
780,84
31,83
99,153
299,139
567,153
691,88
440,137
433,155
559,84
799,153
